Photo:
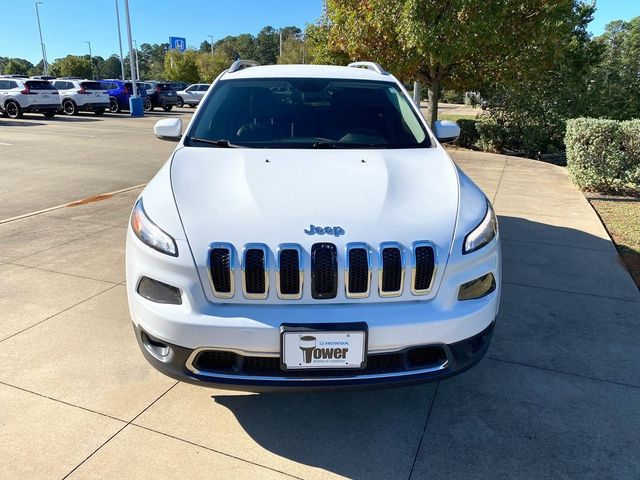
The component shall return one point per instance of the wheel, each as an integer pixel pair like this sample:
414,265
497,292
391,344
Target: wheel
69,107
114,106
12,109
180,102
147,106
167,108
49,114
99,111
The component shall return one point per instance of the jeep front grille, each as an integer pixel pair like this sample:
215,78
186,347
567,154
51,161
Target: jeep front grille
325,264
255,274
221,272
324,271
391,276
289,272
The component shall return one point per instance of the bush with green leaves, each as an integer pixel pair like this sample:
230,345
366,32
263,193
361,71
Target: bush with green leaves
468,133
603,155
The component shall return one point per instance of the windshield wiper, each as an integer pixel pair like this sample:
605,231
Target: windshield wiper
223,143
324,145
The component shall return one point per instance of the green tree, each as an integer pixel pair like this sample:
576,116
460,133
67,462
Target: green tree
267,46
210,66
459,44
182,66
151,60
71,66
16,66
618,75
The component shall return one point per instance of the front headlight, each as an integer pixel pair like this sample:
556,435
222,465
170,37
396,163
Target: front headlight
150,234
483,233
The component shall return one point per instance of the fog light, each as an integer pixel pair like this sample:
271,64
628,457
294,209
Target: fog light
477,288
157,348
159,292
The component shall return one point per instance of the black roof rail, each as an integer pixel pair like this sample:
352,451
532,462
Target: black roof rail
242,64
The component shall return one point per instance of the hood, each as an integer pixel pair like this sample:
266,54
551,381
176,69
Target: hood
242,196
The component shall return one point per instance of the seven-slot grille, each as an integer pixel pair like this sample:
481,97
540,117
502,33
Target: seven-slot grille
256,258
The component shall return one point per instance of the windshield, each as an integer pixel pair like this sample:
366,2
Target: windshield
307,113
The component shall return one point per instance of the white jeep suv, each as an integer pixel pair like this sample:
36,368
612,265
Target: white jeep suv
22,95
309,231
82,95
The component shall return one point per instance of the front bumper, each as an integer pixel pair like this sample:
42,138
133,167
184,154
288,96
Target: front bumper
179,363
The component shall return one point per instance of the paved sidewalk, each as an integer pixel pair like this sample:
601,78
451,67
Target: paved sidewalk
558,395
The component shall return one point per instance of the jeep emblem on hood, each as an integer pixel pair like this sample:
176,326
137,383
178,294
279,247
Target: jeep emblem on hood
335,231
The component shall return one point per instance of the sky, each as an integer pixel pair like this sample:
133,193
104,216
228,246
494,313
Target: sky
68,24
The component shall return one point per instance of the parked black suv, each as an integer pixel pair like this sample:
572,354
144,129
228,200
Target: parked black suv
160,94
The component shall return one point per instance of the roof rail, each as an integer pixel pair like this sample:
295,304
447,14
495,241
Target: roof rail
242,64
373,66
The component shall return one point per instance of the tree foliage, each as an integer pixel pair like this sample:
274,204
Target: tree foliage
182,66
71,66
15,66
459,44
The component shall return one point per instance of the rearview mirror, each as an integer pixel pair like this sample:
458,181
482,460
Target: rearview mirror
168,129
447,131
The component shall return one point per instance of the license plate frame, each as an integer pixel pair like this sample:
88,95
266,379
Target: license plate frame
357,332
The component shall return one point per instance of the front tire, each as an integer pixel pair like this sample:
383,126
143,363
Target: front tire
147,106
114,106
69,107
180,102
49,114
12,109
167,108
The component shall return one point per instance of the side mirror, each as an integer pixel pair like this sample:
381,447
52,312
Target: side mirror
447,131
168,129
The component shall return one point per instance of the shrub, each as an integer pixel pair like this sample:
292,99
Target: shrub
493,136
601,153
631,147
468,133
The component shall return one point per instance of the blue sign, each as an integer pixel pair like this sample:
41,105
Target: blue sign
178,43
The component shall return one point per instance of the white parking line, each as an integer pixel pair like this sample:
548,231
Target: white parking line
9,144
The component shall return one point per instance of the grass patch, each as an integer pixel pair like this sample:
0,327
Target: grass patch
454,117
621,217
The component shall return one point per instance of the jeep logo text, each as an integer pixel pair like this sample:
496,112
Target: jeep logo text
335,231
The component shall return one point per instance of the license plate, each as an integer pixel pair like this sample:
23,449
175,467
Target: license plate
98,94
169,94
45,95
323,349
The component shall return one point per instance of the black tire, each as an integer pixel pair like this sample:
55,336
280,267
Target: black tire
12,109
49,114
69,107
114,106
99,111
180,102
147,106
167,108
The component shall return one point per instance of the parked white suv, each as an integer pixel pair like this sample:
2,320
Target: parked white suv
309,231
81,95
193,94
22,95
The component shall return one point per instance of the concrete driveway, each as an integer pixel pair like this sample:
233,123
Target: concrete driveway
558,395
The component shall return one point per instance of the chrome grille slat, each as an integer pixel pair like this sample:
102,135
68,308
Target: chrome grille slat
357,270
289,271
221,261
255,271
324,271
423,269
391,269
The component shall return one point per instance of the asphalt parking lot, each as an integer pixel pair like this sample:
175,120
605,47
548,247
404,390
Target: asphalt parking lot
558,395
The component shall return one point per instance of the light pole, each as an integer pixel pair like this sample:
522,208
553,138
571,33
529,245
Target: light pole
44,53
135,102
135,45
211,37
120,41
93,76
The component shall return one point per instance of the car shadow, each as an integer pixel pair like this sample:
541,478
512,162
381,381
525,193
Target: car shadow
376,433
19,123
